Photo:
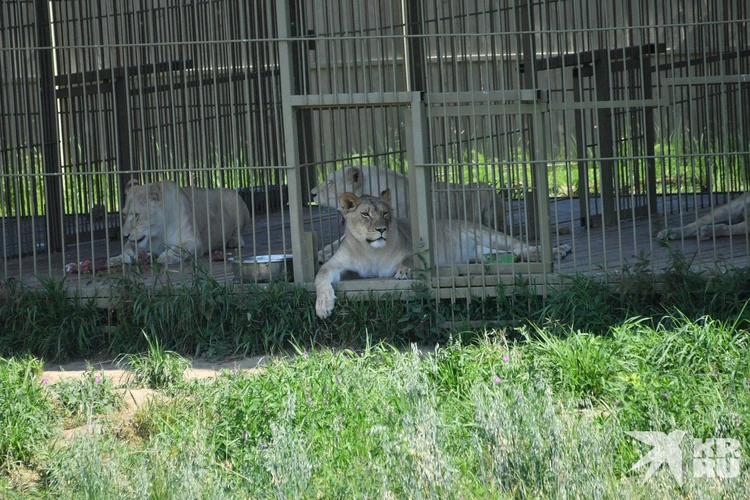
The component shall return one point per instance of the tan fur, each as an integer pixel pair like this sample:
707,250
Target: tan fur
378,245
173,222
713,223
477,202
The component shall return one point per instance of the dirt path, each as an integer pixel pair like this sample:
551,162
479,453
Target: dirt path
134,398
198,370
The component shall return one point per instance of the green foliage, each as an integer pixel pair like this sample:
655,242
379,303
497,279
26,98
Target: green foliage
80,399
542,418
680,374
209,319
27,418
157,368
47,322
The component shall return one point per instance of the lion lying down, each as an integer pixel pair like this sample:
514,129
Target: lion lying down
734,212
476,202
177,223
378,245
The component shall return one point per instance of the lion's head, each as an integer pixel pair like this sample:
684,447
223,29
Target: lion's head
143,214
346,180
368,218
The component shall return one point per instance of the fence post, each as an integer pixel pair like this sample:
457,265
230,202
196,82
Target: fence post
302,243
299,72
122,123
420,179
50,137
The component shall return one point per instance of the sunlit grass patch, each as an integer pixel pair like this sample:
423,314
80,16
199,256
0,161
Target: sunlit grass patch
27,416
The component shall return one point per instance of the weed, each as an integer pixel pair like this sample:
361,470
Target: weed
83,398
27,416
157,368
46,322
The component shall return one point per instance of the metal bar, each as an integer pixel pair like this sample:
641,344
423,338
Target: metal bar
303,250
706,80
50,138
606,146
344,100
514,96
470,110
419,183
616,104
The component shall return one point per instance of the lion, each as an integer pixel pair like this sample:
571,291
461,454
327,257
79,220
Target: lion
734,212
175,223
378,245
477,202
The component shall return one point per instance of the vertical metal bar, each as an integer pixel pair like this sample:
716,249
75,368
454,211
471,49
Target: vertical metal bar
302,249
540,139
528,53
50,138
419,189
606,148
303,117
414,51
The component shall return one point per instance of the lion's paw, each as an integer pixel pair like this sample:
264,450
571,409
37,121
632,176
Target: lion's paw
124,258
532,254
403,273
666,234
169,257
562,251
324,303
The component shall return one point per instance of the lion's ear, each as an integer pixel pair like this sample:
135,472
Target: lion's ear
130,185
349,202
385,195
155,191
354,175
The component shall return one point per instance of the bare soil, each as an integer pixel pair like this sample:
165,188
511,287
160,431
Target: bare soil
136,397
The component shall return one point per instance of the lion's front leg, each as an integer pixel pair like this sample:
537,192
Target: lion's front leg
720,230
170,256
534,253
128,256
325,296
678,233
327,252
176,254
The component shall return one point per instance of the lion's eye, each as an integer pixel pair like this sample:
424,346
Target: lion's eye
365,215
385,214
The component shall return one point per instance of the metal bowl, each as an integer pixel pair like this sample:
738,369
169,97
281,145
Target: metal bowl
262,268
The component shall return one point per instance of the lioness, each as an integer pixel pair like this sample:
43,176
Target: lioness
734,212
477,202
175,223
378,245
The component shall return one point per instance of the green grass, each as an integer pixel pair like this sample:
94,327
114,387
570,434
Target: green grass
81,400
208,319
46,322
26,416
543,417
498,414
157,368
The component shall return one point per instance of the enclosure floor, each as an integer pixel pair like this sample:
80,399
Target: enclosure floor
595,250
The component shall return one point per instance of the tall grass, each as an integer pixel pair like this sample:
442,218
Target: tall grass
26,416
208,319
47,322
543,418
